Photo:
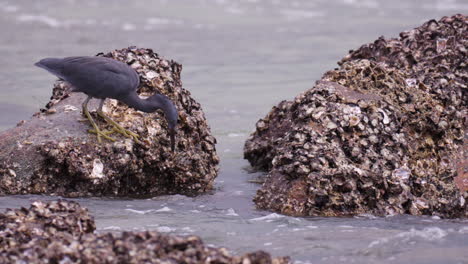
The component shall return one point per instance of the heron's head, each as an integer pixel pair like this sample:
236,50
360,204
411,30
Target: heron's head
170,112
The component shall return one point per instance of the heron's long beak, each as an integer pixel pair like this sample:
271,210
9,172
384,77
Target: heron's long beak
172,133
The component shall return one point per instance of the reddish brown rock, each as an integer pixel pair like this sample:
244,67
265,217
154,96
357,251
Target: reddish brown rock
385,133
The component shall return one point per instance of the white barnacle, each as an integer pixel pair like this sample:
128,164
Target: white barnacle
151,74
69,108
98,168
385,120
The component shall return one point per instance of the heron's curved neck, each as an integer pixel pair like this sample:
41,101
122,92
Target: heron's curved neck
134,101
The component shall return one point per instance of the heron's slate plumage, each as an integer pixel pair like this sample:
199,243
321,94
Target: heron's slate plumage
102,78
98,77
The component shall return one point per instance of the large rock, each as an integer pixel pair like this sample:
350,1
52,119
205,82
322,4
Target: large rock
63,232
53,154
385,133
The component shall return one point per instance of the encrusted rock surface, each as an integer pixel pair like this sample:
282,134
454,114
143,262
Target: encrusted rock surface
63,232
385,133
52,153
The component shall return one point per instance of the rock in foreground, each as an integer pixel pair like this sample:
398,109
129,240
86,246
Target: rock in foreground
382,134
53,153
62,232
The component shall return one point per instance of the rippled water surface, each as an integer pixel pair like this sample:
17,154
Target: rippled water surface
240,58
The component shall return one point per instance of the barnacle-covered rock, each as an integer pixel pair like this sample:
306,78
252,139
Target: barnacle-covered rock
53,153
63,232
385,133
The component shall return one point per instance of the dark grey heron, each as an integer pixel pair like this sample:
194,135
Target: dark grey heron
100,77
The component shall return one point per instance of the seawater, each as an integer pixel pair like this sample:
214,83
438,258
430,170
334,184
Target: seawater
239,59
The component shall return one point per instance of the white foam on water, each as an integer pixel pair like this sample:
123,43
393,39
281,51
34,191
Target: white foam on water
47,20
430,234
463,230
161,21
270,217
294,219
306,261
231,212
165,229
427,221
427,234
368,216
164,209
116,228
188,229
378,242
235,135
139,211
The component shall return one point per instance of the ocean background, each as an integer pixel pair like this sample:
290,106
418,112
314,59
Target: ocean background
240,58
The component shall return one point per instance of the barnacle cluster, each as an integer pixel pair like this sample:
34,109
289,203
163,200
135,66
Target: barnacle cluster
70,162
63,232
385,133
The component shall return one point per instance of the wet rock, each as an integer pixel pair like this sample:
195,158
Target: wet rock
385,133
63,232
52,153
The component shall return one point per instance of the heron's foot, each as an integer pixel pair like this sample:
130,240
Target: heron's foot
119,129
102,133
127,133
96,129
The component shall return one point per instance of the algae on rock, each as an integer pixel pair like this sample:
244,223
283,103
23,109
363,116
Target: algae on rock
382,134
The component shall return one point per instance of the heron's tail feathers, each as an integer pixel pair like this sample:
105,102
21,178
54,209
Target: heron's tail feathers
52,65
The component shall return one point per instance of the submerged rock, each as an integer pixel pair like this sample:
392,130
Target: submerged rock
385,133
63,232
53,153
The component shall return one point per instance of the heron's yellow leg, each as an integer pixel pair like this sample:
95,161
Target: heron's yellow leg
106,132
96,130
117,127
